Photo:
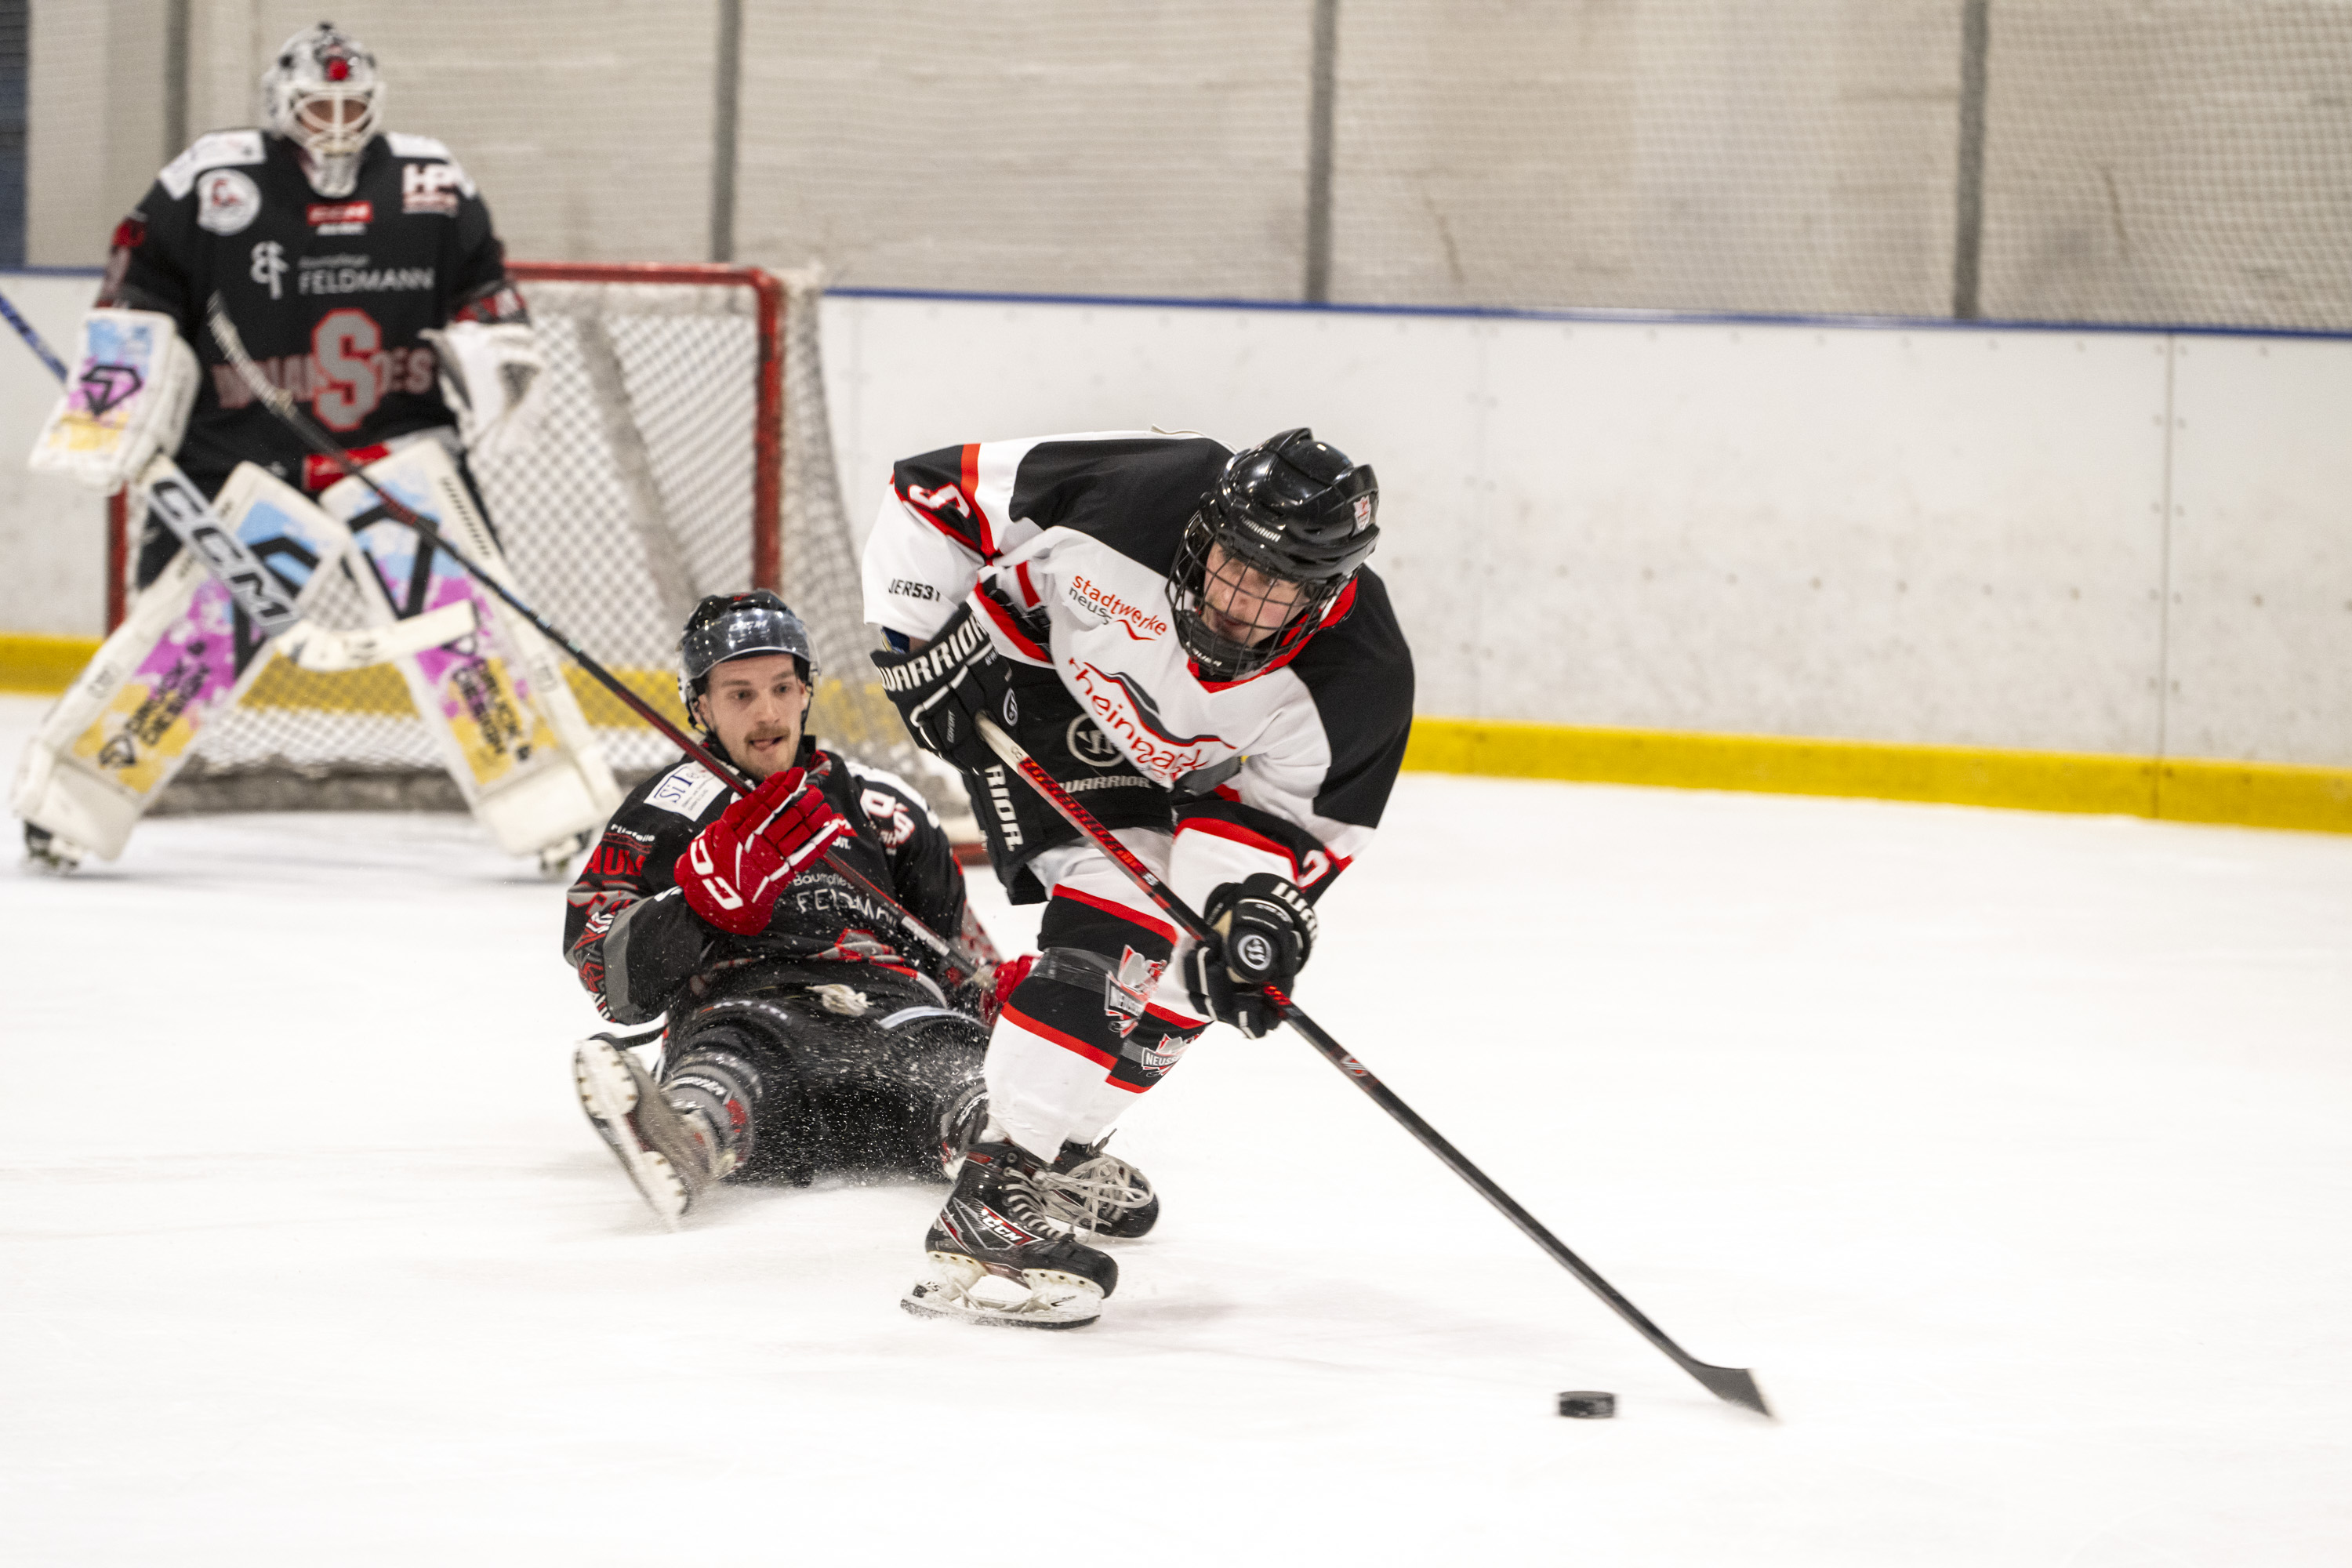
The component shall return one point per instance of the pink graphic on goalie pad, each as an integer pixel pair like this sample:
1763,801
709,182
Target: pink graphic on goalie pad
190,672
120,360
475,680
198,663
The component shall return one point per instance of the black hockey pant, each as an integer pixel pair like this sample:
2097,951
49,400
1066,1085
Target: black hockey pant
797,1087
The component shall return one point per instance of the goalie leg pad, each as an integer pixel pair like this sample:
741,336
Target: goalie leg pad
509,729
130,719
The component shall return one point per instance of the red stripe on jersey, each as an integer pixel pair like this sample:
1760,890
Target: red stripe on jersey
968,482
1046,1032
1028,589
1337,613
931,517
1011,629
1133,917
1181,1020
1218,827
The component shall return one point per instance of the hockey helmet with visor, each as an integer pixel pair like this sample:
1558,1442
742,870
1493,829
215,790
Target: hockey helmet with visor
736,625
1269,552
324,94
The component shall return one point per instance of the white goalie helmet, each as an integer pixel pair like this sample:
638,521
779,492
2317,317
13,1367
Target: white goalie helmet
324,94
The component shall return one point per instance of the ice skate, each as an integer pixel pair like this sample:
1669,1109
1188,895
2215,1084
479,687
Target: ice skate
995,1259
555,860
46,851
961,1121
669,1154
1087,1192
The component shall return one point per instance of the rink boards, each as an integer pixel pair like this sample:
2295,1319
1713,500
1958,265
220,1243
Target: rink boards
2011,565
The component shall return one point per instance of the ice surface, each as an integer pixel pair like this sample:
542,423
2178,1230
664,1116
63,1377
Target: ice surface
2010,1151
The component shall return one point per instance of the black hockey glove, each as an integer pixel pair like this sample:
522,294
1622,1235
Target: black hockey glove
1263,929
942,691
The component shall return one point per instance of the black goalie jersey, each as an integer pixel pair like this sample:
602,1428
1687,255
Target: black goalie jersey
331,296
640,950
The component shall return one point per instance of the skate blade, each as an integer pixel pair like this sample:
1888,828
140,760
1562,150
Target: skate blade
608,1092
1055,1299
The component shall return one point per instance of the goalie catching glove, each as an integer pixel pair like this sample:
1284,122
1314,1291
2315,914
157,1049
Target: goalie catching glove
489,372
946,690
1262,929
732,872
128,399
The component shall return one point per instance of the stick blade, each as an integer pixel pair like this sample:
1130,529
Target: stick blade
1733,1385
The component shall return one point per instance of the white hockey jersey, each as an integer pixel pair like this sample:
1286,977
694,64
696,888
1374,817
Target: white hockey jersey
1285,771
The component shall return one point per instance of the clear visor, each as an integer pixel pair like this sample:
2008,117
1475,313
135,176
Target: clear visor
741,634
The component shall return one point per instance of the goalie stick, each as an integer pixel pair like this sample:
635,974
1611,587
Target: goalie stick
281,404
1734,1385
185,512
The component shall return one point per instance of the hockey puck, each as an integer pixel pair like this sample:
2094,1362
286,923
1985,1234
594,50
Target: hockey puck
1586,1404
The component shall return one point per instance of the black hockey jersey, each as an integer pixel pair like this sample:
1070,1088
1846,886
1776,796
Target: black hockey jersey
1286,770
331,296
639,948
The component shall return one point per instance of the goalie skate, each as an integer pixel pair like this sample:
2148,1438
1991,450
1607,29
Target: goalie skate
993,1257
46,851
672,1162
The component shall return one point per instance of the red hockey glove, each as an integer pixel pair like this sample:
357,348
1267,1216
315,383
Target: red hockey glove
1261,931
734,870
1008,978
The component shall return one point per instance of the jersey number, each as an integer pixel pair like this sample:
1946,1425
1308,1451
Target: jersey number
889,815
934,500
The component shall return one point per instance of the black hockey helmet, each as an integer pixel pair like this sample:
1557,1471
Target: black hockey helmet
1293,510
736,625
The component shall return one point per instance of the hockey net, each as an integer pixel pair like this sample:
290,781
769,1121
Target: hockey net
682,450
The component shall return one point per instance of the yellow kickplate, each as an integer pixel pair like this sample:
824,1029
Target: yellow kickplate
2255,795
43,666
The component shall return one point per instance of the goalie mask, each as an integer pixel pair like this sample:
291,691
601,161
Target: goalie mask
325,95
736,625
1268,554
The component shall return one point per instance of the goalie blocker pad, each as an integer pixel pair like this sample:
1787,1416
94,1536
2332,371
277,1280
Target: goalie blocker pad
495,699
186,652
126,401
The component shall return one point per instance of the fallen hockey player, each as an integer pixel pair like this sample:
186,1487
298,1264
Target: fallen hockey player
804,1034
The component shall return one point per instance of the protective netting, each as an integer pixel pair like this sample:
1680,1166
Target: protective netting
639,494
2159,161
2167,161
821,581
1672,155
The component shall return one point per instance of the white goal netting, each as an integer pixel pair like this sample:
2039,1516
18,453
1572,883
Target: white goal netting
682,450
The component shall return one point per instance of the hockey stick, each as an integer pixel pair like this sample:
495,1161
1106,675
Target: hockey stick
1732,1384
281,404
32,336
316,648
183,508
